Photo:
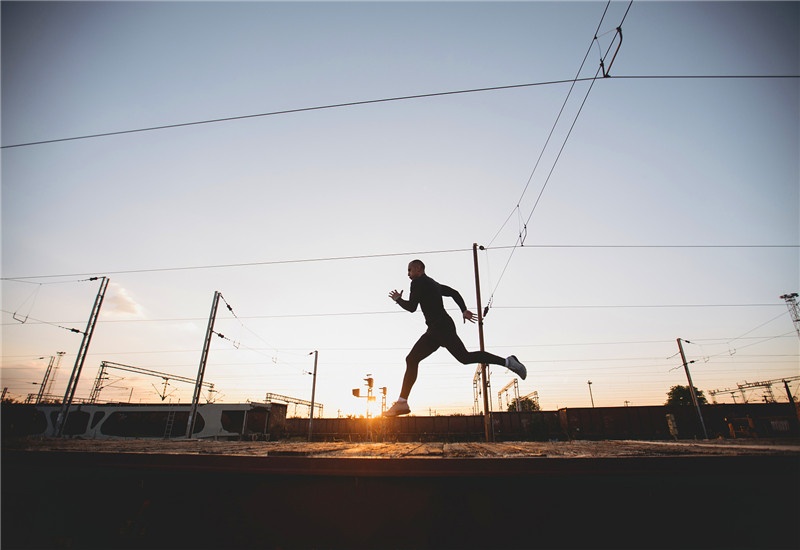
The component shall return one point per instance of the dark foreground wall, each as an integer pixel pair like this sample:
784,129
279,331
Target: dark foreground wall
107,501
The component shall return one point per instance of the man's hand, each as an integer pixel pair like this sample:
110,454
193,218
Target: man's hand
394,295
469,316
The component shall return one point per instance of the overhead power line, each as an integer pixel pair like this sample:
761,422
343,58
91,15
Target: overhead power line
561,111
381,100
395,312
26,278
41,322
290,111
572,344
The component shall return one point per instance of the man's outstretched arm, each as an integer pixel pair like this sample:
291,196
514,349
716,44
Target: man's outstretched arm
405,304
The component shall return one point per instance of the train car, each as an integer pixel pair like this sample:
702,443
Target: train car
126,420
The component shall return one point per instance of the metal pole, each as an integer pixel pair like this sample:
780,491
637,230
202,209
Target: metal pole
202,368
313,392
590,392
79,360
98,383
691,388
791,400
487,416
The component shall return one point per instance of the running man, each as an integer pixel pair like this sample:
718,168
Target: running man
427,293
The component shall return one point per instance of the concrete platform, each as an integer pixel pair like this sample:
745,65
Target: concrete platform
580,494
552,449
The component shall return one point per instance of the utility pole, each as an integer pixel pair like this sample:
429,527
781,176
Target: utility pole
788,391
691,387
590,392
791,402
487,418
198,387
315,353
79,360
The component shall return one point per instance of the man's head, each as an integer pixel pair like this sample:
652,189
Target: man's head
416,269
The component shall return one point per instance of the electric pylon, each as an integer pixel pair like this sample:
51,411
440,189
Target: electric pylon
791,303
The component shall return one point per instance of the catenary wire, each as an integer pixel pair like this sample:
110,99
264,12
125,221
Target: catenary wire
395,312
39,321
390,255
374,349
523,232
383,100
238,344
289,111
561,111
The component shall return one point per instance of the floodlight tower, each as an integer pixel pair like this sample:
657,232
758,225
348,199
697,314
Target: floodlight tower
794,310
49,375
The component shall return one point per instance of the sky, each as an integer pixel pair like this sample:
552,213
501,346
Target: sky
616,215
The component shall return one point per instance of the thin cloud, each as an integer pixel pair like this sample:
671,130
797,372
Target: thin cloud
121,304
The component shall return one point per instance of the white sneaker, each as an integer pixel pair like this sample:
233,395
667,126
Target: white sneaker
513,364
398,408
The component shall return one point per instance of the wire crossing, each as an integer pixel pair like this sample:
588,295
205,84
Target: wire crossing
523,231
23,318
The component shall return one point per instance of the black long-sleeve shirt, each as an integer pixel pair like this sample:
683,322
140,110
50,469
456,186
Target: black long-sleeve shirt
428,294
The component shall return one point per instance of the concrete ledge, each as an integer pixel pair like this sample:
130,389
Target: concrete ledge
217,496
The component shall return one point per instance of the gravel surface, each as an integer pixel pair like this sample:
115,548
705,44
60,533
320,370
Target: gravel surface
514,449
